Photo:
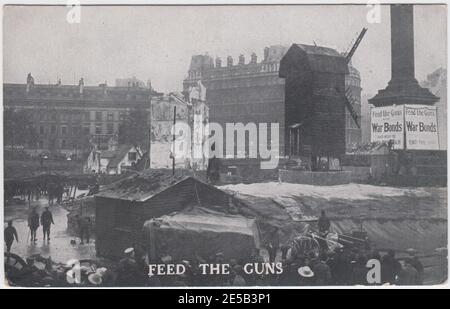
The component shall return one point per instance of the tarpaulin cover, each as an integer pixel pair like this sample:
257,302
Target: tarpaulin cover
201,232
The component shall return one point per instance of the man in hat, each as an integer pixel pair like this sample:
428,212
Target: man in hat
9,234
306,276
128,269
46,222
33,223
95,279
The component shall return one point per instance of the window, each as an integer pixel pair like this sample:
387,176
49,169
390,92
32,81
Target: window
64,130
53,129
86,130
53,117
98,128
63,144
41,130
75,131
110,128
110,116
132,156
98,116
40,144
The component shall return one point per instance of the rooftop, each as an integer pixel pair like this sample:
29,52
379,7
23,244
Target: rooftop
117,155
73,92
142,186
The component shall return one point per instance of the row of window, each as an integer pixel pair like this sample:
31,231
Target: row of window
70,115
54,144
109,116
64,130
75,130
270,67
109,128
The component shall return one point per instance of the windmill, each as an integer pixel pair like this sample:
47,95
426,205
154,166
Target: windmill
349,100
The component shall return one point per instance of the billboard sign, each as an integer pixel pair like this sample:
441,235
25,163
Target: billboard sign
387,123
421,127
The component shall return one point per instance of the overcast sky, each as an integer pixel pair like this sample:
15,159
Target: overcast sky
156,43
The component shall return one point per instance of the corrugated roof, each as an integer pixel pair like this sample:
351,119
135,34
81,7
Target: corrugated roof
141,186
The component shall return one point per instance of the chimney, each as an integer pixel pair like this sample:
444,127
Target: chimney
266,53
81,85
218,62
229,61
253,59
30,82
59,82
241,59
104,88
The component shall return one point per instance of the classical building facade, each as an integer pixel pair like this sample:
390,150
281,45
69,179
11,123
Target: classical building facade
71,118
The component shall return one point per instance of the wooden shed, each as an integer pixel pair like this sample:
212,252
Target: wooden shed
122,209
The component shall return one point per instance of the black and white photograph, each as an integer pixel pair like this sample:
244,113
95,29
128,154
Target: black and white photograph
217,145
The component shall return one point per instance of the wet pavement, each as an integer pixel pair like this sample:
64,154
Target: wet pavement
59,248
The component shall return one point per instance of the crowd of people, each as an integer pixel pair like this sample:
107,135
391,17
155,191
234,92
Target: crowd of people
340,267
308,260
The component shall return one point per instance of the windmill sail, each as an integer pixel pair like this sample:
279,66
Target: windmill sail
349,102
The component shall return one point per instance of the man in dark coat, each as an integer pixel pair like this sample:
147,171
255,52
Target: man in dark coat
10,233
213,170
323,223
46,222
128,269
390,268
324,228
322,272
33,223
274,244
415,262
408,275
84,228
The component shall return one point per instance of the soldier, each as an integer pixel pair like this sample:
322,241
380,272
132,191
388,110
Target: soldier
33,223
46,222
10,233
